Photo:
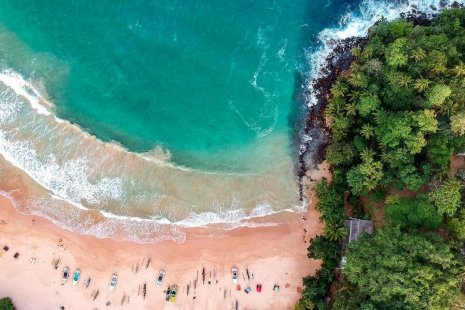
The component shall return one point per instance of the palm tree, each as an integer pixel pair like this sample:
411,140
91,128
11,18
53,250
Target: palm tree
373,66
392,199
367,155
351,109
367,131
335,231
438,68
335,107
437,62
338,89
421,85
459,70
357,79
418,54
404,80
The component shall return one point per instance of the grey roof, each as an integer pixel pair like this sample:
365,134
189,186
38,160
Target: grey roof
356,227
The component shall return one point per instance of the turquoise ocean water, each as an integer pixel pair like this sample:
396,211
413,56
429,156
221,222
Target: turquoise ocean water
136,119
197,78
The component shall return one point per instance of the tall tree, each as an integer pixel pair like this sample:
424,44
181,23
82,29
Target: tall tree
447,197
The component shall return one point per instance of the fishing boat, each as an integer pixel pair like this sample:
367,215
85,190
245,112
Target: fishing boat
65,275
161,276
234,274
114,279
173,290
77,274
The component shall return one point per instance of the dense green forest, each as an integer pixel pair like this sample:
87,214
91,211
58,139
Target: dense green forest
397,119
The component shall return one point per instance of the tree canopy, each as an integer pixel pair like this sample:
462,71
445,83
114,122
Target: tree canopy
395,270
402,99
6,304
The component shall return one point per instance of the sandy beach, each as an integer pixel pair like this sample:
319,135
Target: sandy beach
271,255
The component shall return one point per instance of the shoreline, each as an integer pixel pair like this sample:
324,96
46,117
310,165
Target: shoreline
275,255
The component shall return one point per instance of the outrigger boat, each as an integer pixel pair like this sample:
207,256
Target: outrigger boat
114,279
77,274
65,275
171,293
234,274
160,278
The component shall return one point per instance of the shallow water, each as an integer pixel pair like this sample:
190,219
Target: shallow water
166,115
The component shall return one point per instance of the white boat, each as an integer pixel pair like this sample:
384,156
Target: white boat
65,275
114,279
234,274
161,276
77,274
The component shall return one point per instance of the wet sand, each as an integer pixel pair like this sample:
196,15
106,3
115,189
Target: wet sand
272,255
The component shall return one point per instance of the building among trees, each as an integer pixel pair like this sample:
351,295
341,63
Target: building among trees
355,227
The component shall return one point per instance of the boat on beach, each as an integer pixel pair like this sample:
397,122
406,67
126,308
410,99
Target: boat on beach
76,276
114,280
65,275
234,274
171,293
161,276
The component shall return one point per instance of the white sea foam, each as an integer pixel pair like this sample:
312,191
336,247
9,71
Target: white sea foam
23,88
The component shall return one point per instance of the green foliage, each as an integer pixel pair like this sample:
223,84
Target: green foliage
400,28
335,231
396,270
316,288
456,225
412,213
355,180
340,127
368,104
340,154
6,304
395,53
392,128
412,178
426,121
447,197
326,247
396,117
304,304
350,299
421,85
440,150
400,101
331,204
367,175
457,123
437,94
323,248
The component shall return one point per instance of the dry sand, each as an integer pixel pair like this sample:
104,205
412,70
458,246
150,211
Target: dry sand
272,255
